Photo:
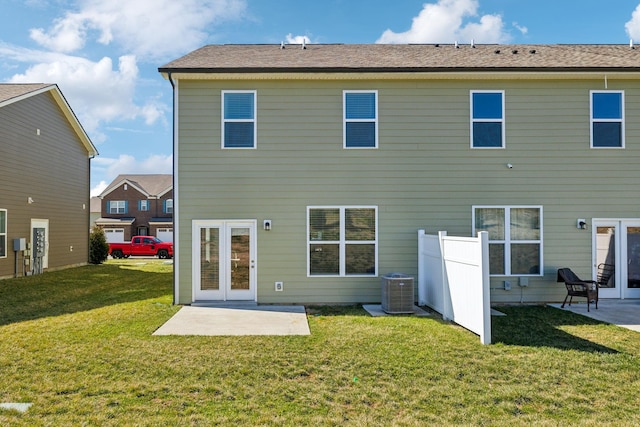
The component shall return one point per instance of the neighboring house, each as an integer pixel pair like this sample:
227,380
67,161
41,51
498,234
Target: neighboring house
138,205
44,197
303,174
96,210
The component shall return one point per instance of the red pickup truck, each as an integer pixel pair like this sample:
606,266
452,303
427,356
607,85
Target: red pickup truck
142,246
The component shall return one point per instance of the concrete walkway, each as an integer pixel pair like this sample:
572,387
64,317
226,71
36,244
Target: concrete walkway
233,319
625,312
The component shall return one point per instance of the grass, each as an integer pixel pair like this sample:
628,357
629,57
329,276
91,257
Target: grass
78,345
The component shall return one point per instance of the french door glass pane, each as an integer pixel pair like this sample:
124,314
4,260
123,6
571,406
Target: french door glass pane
606,251
209,259
633,257
240,258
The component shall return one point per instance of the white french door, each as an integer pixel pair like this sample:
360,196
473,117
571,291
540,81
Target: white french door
224,260
617,243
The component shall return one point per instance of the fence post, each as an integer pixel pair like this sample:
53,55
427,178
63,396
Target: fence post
485,336
422,278
446,297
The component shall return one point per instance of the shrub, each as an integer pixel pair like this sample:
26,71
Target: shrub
98,246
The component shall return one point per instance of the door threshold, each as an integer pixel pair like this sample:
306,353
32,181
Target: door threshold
225,304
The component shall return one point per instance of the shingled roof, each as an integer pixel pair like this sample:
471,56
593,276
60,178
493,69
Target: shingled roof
405,58
11,91
152,185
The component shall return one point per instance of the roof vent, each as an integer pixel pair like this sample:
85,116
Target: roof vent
473,44
514,51
304,42
496,51
437,45
281,45
532,51
457,46
631,44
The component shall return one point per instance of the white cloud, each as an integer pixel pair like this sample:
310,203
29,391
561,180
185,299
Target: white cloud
99,188
128,164
146,28
524,30
446,22
291,39
633,26
96,91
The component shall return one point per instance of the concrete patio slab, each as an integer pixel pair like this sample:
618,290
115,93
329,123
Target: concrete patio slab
624,313
235,320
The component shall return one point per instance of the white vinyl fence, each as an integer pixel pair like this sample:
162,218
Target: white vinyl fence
453,279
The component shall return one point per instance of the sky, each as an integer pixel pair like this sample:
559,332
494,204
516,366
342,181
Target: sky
104,54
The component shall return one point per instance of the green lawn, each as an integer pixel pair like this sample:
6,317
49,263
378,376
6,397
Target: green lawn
77,344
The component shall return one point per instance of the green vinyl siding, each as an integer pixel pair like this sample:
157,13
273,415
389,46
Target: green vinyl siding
423,174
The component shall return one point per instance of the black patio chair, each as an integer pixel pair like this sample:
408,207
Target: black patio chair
605,275
576,287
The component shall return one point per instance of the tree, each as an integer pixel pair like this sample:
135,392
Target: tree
98,246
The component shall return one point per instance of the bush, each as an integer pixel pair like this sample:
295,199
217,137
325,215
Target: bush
98,246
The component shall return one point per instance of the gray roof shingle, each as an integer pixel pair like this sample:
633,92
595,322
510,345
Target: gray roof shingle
9,90
406,57
152,184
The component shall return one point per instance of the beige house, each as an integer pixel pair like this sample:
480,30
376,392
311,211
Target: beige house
302,173
44,197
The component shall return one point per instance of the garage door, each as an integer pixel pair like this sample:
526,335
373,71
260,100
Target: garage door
165,234
114,235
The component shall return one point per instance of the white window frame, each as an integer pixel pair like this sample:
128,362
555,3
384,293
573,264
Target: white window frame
474,120
621,120
345,120
507,236
3,233
119,204
144,205
254,120
342,242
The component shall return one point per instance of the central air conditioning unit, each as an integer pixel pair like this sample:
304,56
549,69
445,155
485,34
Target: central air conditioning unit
397,293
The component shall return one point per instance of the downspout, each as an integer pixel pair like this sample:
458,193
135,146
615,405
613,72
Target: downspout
173,178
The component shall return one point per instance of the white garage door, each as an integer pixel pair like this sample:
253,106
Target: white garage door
165,234
114,235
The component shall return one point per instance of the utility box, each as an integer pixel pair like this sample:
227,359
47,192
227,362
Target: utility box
20,244
397,293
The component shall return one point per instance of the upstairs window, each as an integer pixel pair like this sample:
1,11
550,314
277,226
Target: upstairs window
239,119
360,119
143,205
168,206
3,233
342,241
117,207
487,119
607,119
515,238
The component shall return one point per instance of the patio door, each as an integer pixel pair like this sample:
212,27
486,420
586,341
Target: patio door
617,243
224,260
